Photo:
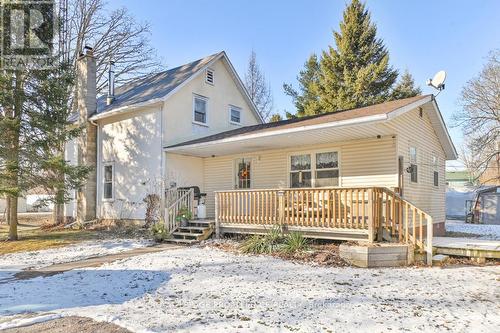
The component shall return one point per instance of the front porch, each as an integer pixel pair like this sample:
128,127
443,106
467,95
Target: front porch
370,214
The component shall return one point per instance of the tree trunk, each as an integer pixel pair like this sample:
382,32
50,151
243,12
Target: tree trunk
58,214
12,218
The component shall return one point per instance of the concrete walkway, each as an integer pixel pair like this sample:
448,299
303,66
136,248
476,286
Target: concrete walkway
90,262
467,247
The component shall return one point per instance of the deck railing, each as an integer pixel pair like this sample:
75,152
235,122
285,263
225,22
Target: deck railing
177,200
377,210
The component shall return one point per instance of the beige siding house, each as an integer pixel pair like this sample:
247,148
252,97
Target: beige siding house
375,172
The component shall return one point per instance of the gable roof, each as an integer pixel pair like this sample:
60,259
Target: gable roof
158,87
378,112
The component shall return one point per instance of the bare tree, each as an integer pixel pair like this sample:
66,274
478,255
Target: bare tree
114,35
480,122
258,88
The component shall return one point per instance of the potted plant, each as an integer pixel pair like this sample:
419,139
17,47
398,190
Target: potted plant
183,216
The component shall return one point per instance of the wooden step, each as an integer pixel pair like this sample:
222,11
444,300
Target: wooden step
193,228
187,234
181,240
202,222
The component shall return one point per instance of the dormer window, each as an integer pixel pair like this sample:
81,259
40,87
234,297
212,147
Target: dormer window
210,76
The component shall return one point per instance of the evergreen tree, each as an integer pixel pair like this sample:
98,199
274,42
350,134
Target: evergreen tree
405,87
356,71
275,117
49,113
307,100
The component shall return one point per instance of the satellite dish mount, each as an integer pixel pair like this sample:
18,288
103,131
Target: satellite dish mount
437,82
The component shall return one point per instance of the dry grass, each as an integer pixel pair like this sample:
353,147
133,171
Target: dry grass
34,239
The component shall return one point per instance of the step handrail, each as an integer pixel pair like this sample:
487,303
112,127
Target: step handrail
406,221
184,199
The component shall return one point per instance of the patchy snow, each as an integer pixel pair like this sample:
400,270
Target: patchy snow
208,290
14,262
485,231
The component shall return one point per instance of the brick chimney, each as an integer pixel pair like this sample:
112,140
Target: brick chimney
86,197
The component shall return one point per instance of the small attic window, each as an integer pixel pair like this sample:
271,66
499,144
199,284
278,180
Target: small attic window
420,112
210,76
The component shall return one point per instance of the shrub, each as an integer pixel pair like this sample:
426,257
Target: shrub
159,232
295,242
268,243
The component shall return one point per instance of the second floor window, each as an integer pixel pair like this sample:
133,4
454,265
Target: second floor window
235,114
200,109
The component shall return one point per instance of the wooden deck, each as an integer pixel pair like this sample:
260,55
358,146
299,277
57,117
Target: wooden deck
365,213
467,247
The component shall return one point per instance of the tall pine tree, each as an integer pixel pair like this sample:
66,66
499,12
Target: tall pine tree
405,87
356,71
306,100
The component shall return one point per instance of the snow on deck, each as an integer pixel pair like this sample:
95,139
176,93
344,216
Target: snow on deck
208,290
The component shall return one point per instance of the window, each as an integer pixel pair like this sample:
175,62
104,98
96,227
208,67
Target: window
435,172
327,172
108,182
235,114
413,165
210,76
314,170
243,173
300,171
200,109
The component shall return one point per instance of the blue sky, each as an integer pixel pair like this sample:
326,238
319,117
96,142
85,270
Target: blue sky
423,36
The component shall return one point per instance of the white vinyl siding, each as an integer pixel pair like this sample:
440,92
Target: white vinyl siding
412,130
369,162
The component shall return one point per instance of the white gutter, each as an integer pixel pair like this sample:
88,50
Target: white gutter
443,125
341,123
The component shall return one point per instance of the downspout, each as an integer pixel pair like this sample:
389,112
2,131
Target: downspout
162,167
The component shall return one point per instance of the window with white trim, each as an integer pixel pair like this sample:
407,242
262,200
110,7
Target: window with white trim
327,169
108,182
200,109
435,174
320,169
413,165
243,173
235,114
209,78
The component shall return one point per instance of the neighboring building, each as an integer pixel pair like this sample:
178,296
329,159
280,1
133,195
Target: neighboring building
459,189
195,125
21,205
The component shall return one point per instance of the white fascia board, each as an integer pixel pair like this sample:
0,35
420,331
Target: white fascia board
342,123
454,154
409,107
133,107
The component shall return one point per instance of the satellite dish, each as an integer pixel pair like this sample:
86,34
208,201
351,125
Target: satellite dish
438,80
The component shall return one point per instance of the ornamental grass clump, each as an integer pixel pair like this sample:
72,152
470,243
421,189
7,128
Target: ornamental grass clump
268,243
295,242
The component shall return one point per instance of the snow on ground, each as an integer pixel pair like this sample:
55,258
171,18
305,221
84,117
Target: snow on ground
208,290
485,231
14,262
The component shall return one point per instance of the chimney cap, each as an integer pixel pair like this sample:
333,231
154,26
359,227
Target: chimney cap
88,50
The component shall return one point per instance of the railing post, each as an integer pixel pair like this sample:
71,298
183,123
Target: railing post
429,240
371,215
217,222
281,207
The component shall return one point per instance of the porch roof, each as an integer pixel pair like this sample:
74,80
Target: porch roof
325,128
